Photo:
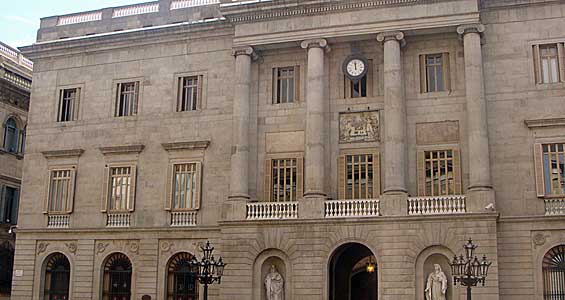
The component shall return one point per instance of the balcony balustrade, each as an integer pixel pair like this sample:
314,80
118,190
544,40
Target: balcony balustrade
58,221
437,205
358,208
272,210
118,220
555,207
183,218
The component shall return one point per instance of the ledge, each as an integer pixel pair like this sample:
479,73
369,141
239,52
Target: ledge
121,149
11,179
540,123
19,156
62,153
193,145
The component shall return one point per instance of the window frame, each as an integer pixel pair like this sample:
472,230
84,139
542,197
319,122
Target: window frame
369,82
445,68
14,206
116,93
268,175
342,173
421,170
538,65
199,91
16,134
276,82
72,189
107,187
539,170
169,205
202,91
76,106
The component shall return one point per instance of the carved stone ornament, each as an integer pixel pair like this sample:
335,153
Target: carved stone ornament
314,43
249,51
72,246
358,127
101,247
134,247
539,239
166,246
392,36
470,28
42,247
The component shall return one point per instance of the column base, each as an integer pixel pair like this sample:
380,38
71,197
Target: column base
235,208
312,205
394,203
481,199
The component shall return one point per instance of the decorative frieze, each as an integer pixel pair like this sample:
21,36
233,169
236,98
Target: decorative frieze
355,127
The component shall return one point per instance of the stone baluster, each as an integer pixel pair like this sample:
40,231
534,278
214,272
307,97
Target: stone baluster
316,103
480,192
394,158
234,209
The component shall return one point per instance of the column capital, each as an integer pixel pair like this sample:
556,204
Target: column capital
391,36
470,28
245,50
315,43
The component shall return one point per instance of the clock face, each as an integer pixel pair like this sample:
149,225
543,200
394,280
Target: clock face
355,68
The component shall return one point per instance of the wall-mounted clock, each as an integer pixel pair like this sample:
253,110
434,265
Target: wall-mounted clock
355,67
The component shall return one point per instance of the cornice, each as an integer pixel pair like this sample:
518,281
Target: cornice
191,145
62,153
121,149
540,123
10,179
241,14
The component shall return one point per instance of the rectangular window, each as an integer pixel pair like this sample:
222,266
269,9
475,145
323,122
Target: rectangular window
548,63
439,173
186,186
434,72
189,93
69,101
283,179
286,84
127,99
9,200
554,169
360,88
359,176
61,191
121,189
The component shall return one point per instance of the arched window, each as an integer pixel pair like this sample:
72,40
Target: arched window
554,273
181,282
11,136
117,278
57,277
6,265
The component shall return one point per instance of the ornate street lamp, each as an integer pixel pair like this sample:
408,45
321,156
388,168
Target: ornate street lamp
370,266
208,270
469,271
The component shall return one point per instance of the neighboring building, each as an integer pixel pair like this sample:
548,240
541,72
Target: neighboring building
15,86
316,136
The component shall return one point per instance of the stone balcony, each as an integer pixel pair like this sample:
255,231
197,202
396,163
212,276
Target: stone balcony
272,210
437,205
358,208
58,221
555,207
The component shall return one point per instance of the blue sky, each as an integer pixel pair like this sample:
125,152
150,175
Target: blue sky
19,19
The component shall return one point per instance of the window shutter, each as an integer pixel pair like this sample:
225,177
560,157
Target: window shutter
198,185
346,87
538,167
15,206
268,184
296,83
60,106
376,175
299,178
72,184
537,65
275,86
341,177
2,203
118,96
446,73
133,187
370,78
105,188
423,86
169,187
561,61
76,105
136,101
47,193
200,91
457,172
421,173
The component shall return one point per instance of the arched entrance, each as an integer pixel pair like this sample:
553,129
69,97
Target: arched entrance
350,275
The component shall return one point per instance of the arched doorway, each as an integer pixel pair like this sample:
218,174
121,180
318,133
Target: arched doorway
57,277
181,279
554,273
117,278
351,278
6,265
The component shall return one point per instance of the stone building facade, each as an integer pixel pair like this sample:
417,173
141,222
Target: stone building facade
15,86
314,136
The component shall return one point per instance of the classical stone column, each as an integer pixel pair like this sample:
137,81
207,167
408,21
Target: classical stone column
394,139
239,177
316,102
480,191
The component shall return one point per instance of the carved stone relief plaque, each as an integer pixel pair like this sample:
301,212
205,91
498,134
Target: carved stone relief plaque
356,127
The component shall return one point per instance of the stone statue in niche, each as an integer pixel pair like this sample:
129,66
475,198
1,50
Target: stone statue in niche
359,127
274,283
436,287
